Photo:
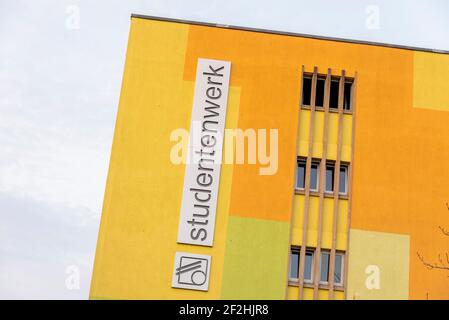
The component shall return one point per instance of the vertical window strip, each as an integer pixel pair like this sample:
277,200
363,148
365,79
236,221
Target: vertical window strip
322,181
307,187
341,177
336,184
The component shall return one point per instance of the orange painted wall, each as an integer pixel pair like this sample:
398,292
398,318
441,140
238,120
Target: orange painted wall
269,78
401,182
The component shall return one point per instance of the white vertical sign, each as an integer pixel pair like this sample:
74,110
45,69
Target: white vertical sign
202,175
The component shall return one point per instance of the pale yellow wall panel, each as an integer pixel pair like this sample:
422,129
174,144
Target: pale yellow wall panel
430,84
378,265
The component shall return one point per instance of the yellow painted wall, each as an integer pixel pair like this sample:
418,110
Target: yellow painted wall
137,239
312,231
304,130
323,294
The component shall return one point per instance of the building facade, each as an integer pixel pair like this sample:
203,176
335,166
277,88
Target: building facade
356,206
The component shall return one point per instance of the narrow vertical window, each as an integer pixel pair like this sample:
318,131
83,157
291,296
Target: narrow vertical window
329,178
306,90
343,181
294,264
308,266
333,102
314,173
347,96
300,174
324,267
319,94
338,272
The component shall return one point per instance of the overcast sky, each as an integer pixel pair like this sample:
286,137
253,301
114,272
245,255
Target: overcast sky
61,64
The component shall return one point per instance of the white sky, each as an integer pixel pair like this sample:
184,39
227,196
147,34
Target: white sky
60,77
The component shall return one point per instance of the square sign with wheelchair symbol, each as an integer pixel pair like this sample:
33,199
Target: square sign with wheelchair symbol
191,271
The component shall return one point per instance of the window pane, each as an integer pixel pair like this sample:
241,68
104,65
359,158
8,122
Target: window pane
338,267
314,177
306,90
342,182
300,174
324,267
333,103
308,266
329,178
347,96
294,263
319,94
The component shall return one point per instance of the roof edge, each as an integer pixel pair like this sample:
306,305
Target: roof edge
287,33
